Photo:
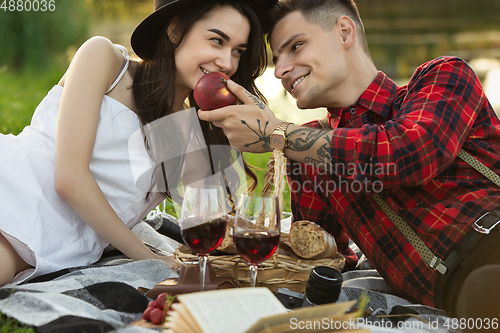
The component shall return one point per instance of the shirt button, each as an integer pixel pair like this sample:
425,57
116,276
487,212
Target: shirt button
420,205
352,110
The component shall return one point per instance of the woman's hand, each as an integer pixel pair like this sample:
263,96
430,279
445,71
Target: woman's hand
169,260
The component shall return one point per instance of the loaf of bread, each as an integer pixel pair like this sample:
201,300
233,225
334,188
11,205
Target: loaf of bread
309,241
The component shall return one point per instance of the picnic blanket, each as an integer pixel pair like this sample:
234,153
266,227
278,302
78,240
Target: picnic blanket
104,297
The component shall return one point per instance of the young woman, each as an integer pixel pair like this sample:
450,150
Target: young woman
67,188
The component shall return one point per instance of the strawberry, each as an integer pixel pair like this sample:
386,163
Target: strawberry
157,310
147,314
160,300
156,316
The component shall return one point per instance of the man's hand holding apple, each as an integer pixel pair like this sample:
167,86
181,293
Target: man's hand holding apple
249,125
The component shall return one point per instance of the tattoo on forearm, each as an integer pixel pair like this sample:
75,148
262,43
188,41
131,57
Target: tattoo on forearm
322,161
316,163
304,139
261,134
257,101
324,151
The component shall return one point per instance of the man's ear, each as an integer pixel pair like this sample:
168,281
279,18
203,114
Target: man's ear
172,30
347,29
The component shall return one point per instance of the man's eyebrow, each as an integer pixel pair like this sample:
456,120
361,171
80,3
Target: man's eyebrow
225,36
288,42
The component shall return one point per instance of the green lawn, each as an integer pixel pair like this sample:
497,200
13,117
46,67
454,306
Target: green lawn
9,325
21,93
259,161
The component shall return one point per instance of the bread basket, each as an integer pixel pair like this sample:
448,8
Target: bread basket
284,269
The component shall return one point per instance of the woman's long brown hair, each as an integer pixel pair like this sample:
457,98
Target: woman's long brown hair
154,82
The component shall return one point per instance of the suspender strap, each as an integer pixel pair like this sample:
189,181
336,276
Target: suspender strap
412,237
323,121
479,166
433,261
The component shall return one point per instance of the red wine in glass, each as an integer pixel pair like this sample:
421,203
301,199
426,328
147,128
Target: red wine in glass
256,230
206,237
256,246
203,222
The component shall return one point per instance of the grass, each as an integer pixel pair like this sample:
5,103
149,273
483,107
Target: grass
259,161
10,325
21,93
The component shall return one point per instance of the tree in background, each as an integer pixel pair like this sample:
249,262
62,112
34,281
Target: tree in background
31,39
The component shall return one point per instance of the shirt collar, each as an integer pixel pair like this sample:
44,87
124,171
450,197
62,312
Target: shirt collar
378,97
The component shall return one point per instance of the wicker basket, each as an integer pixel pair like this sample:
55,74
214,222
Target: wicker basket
280,271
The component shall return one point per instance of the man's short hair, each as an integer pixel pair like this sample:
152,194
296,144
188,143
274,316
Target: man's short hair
324,13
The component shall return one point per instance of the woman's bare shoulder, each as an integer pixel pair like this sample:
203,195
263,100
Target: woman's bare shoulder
98,50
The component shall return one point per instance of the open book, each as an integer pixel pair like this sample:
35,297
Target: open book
254,310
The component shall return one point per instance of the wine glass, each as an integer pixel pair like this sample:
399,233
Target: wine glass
256,230
203,222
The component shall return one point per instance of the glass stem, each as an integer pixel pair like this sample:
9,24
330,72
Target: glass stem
203,271
253,275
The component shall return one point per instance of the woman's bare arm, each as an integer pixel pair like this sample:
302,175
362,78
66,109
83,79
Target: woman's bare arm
90,74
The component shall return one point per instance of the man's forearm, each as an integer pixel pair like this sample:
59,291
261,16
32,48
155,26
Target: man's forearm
309,145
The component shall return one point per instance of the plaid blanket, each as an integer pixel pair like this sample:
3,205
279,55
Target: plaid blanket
385,311
104,297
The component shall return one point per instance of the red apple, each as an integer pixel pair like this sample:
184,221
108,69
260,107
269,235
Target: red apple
211,92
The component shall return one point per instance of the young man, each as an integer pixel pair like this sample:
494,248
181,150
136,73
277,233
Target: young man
388,152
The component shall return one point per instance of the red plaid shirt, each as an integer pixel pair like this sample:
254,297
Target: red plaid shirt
404,141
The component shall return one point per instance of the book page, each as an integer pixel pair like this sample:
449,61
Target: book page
180,320
323,317
231,310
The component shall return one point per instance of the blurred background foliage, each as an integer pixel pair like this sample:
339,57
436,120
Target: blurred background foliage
401,33
37,46
31,39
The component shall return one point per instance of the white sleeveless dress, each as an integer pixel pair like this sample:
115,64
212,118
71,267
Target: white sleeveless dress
40,225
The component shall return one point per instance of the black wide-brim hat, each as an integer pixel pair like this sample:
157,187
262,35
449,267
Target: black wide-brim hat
145,36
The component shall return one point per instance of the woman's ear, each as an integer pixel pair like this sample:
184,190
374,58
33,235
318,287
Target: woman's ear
172,30
347,29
